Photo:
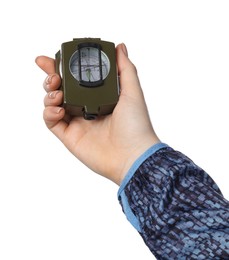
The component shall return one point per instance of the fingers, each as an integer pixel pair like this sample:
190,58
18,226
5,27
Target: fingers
53,116
52,82
53,113
53,98
46,64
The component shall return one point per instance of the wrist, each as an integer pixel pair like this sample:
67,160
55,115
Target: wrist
140,152
136,164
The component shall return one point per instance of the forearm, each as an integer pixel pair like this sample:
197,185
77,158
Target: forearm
177,208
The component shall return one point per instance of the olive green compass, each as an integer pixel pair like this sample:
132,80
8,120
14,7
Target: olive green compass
89,79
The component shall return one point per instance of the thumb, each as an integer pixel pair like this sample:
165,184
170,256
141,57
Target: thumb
129,81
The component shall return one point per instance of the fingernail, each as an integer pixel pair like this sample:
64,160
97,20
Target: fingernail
124,49
53,94
58,109
48,80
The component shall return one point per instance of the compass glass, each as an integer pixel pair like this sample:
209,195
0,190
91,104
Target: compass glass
89,64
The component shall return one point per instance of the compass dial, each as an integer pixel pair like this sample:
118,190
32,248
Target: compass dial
85,65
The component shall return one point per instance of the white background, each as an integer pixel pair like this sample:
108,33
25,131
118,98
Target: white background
52,206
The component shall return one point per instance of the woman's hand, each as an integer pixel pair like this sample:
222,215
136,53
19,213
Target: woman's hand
108,145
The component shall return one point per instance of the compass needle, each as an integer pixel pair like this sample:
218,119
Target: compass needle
88,73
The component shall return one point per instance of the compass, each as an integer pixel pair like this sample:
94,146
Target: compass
88,70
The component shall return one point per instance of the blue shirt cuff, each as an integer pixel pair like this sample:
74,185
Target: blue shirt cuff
153,149
121,194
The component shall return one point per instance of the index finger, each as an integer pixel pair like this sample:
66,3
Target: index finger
46,64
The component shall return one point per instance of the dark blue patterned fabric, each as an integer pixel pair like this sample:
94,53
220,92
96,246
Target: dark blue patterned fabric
180,210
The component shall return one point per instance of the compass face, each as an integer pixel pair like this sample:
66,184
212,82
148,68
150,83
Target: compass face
89,64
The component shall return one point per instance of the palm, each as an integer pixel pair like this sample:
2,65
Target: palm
105,144
87,139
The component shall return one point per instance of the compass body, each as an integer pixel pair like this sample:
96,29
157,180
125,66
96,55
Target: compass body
88,70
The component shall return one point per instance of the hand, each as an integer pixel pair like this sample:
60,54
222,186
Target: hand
108,145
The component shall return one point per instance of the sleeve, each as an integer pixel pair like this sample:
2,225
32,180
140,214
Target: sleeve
175,206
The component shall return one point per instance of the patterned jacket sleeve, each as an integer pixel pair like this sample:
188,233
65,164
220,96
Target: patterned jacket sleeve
175,206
